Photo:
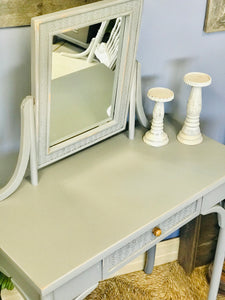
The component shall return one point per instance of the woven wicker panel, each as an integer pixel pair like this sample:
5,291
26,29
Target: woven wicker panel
20,12
114,261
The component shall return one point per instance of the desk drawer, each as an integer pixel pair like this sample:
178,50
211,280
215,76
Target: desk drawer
213,197
146,240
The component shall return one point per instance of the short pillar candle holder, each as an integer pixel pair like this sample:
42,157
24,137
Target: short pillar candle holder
190,133
156,136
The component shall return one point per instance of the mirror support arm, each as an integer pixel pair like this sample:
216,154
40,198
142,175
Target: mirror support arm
27,150
136,105
141,116
33,150
132,102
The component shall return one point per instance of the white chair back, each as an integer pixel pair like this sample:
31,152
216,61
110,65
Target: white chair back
107,52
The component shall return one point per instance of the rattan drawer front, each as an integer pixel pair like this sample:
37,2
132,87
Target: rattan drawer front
122,256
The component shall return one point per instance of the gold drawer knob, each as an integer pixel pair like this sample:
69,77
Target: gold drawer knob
156,231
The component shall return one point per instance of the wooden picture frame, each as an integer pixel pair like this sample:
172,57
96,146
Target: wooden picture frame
215,16
15,13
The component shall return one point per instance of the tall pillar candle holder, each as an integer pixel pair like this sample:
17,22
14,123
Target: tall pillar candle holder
190,133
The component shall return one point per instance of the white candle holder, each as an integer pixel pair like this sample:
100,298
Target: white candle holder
156,136
190,133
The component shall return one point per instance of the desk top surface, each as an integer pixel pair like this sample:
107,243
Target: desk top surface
94,199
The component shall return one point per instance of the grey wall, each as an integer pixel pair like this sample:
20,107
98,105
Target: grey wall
172,43
14,82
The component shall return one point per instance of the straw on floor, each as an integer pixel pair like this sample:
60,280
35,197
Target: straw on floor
167,282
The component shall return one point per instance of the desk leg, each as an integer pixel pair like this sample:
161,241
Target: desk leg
220,253
150,260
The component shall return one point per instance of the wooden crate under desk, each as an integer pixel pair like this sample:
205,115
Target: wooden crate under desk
198,241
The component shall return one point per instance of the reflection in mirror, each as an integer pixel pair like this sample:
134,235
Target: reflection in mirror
84,63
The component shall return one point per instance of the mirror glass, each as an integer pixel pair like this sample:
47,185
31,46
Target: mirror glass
84,66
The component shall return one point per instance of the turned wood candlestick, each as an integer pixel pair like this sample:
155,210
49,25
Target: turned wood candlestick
156,136
190,134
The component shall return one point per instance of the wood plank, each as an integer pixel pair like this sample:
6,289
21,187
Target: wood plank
205,253
189,236
198,241
20,12
50,6
208,235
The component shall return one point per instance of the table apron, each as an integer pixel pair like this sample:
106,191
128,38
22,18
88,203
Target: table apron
146,240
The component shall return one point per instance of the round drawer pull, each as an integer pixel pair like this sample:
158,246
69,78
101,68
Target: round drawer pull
156,231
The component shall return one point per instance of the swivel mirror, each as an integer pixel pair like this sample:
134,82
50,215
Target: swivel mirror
84,76
82,64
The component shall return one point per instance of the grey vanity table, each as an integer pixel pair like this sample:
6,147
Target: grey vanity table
94,212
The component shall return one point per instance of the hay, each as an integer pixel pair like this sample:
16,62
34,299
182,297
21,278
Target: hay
167,282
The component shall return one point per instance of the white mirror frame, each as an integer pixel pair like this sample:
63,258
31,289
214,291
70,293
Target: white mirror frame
43,29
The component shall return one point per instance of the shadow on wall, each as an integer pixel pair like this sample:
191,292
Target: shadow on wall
15,82
171,78
175,70
147,82
212,120
7,162
12,88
